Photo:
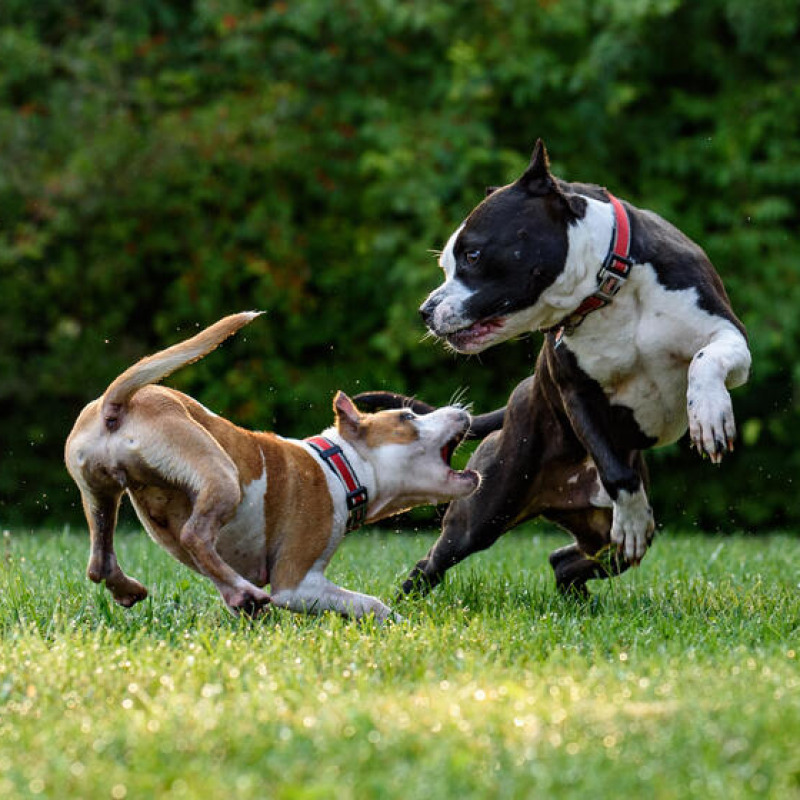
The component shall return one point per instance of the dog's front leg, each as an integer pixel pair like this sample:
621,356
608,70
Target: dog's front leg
632,525
724,363
315,594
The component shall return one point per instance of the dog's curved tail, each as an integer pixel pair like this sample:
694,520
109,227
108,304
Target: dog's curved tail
158,366
480,427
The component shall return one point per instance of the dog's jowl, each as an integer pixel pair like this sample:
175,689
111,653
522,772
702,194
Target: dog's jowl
640,343
246,509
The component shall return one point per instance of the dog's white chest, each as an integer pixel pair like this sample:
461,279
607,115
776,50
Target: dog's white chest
639,350
242,543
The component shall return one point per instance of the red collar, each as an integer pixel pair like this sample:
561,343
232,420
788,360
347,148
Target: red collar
611,277
357,496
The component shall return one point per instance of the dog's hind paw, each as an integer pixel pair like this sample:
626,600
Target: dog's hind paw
249,602
126,591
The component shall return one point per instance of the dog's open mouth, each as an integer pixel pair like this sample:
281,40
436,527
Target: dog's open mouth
450,448
468,476
474,336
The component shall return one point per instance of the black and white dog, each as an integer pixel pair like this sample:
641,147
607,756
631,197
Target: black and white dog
640,341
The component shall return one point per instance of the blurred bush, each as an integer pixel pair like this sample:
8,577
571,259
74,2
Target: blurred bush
165,163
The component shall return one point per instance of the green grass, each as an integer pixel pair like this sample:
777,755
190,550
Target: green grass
681,679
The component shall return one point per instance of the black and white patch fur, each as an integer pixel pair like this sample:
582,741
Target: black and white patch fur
635,374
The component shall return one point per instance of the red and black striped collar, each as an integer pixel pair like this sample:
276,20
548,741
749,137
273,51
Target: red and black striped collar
611,277
356,492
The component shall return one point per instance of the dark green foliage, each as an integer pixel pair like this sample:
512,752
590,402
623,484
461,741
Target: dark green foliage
165,163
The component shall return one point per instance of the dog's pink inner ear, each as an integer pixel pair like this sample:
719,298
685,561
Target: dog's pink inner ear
347,415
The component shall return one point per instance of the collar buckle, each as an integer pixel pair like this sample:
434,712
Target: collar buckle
612,278
356,507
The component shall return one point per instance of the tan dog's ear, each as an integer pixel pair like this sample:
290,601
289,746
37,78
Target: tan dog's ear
348,418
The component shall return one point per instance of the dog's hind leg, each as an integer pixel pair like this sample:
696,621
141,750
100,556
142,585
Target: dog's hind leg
101,490
586,513
101,510
591,556
214,505
191,463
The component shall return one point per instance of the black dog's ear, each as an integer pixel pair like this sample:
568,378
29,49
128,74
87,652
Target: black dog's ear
491,190
575,203
537,179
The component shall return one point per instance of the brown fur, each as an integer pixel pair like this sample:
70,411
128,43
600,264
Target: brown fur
389,428
299,499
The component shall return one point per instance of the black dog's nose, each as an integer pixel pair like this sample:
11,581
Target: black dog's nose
426,311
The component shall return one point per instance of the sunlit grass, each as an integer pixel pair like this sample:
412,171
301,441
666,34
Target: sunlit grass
681,679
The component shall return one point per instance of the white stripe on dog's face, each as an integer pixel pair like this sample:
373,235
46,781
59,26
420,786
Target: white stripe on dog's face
452,296
447,261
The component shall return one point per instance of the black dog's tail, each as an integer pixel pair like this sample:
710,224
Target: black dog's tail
481,426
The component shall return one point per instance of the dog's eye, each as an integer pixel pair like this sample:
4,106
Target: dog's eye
472,256
406,416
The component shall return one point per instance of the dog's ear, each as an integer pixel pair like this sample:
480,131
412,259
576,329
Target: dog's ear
575,204
348,418
536,179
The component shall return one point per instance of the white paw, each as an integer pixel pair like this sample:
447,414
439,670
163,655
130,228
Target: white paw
632,526
711,424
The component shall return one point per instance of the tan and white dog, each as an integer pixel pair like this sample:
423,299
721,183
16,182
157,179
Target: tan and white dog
246,509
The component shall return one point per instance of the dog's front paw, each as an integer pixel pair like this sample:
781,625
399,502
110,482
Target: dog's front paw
711,424
633,525
381,613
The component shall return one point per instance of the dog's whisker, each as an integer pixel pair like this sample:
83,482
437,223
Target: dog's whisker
427,336
457,398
